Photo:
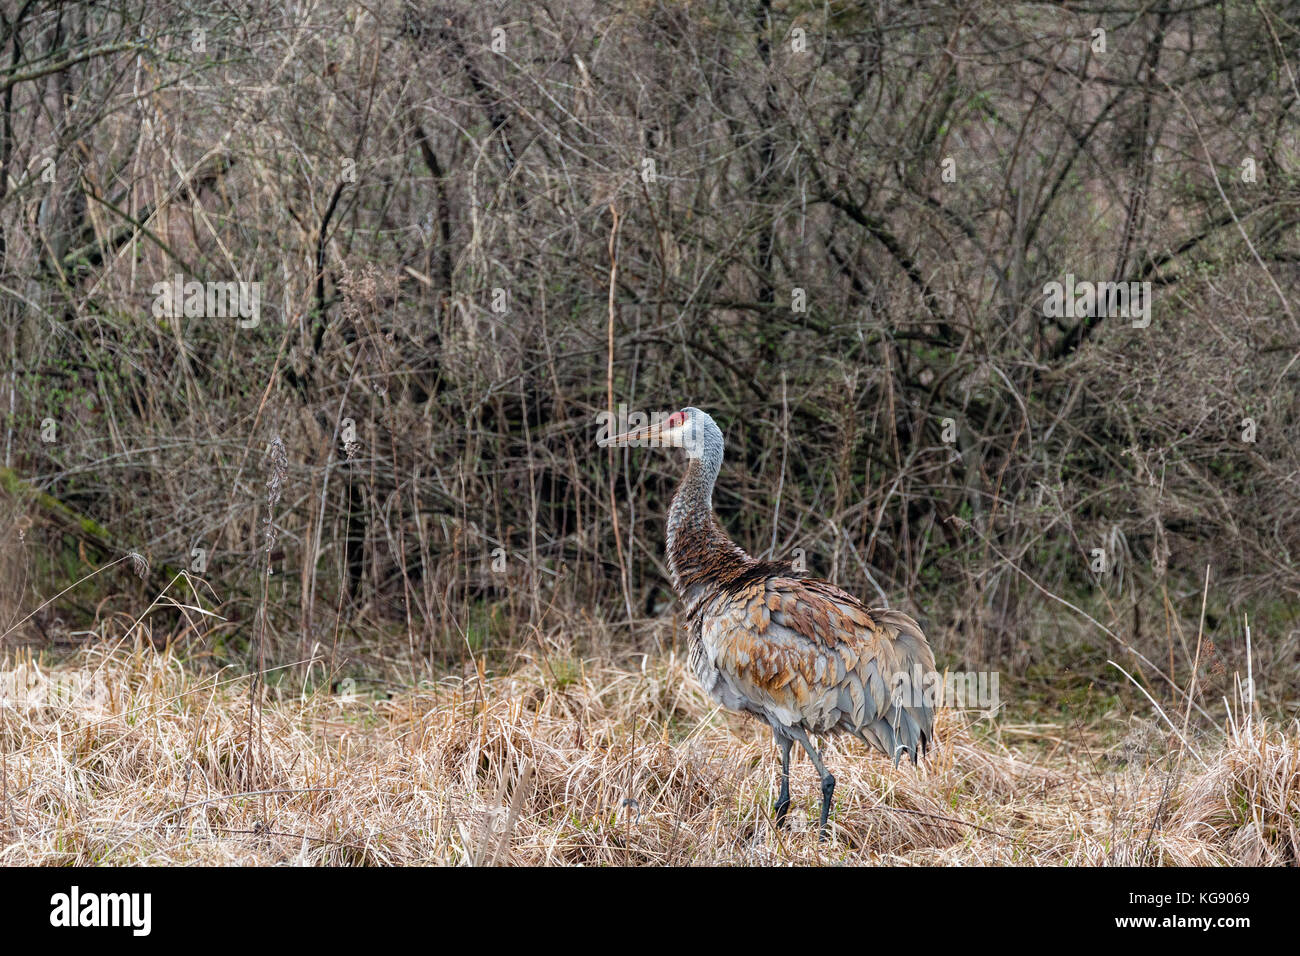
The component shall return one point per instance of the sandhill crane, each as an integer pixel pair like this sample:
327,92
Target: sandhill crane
799,654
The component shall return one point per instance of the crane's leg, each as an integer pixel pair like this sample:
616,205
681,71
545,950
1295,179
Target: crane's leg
828,782
783,799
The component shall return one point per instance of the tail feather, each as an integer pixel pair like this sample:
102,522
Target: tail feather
912,720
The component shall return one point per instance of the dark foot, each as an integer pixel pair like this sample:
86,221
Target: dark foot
781,809
828,791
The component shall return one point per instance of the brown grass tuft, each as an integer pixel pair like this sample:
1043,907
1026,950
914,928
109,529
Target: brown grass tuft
124,756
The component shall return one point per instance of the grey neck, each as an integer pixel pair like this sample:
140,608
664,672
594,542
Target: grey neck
694,498
696,541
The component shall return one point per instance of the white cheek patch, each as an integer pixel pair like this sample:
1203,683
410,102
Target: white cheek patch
674,437
688,438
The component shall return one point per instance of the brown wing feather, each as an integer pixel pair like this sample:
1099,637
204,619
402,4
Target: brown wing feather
805,652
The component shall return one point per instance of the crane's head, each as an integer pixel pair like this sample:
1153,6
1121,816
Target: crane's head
689,428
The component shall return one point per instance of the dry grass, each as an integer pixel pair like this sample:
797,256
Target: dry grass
127,755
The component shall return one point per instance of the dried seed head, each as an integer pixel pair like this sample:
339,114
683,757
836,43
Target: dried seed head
139,564
279,470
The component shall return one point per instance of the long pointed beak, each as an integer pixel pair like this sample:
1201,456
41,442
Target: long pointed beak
649,435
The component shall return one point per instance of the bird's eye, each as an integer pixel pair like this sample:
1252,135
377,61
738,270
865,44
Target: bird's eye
676,419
